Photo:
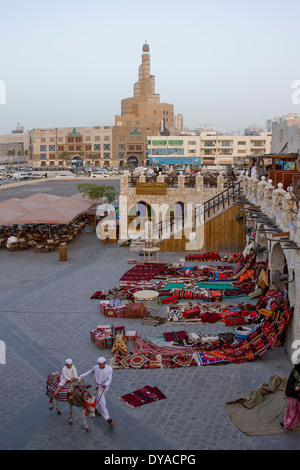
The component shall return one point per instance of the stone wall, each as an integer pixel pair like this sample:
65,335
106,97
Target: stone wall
279,206
192,197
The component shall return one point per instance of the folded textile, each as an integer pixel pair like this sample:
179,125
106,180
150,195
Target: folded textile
175,335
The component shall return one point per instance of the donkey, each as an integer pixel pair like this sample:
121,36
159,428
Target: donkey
75,394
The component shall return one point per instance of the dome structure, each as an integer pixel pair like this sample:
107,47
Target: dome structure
146,47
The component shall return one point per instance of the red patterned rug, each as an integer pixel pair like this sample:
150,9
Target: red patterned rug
143,272
143,396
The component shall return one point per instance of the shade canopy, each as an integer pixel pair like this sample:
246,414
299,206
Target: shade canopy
43,208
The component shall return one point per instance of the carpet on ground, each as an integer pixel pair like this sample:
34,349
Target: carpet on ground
143,396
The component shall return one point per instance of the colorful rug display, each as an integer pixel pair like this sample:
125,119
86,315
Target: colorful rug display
263,338
143,396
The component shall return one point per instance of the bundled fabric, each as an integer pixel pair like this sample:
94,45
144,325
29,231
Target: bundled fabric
207,295
209,256
210,317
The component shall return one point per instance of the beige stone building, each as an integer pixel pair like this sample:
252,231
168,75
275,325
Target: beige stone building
91,146
17,140
141,115
209,148
286,135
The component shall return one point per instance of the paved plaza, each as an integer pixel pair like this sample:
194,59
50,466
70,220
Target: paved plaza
46,316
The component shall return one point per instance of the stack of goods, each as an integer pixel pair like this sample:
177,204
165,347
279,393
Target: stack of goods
102,337
131,335
135,310
113,308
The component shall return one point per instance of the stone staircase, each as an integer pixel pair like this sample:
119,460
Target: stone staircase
209,210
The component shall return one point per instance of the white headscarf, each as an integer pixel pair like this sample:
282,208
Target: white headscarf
101,360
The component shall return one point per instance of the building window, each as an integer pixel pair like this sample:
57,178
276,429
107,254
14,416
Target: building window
60,139
121,146
43,139
88,147
96,146
43,156
88,138
78,139
226,143
137,123
138,147
131,147
128,123
106,155
106,147
154,111
78,148
106,137
122,137
52,148
97,138
52,139
60,148
43,148
121,155
70,139
71,148
209,143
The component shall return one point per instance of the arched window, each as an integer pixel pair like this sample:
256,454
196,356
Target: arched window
177,212
139,214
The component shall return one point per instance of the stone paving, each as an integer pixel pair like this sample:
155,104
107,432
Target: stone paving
47,315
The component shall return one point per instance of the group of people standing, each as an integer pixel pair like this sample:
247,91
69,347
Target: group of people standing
102,375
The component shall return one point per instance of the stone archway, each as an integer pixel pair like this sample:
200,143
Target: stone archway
138,216
77,161
133,161
278,264
261,240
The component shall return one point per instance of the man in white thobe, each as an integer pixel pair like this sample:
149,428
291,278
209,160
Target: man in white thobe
103,377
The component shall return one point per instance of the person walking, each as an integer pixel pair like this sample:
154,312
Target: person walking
291,419
103,377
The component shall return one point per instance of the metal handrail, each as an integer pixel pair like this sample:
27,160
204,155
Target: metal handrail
201,213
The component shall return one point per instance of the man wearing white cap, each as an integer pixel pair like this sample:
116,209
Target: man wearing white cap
103,377
68,374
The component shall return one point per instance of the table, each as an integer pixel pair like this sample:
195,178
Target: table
144,295
154,249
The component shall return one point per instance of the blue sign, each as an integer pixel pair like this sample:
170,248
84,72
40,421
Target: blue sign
175,160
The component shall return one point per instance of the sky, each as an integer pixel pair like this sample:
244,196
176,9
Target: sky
225,65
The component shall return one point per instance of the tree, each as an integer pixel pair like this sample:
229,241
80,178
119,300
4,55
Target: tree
95,192
65,156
